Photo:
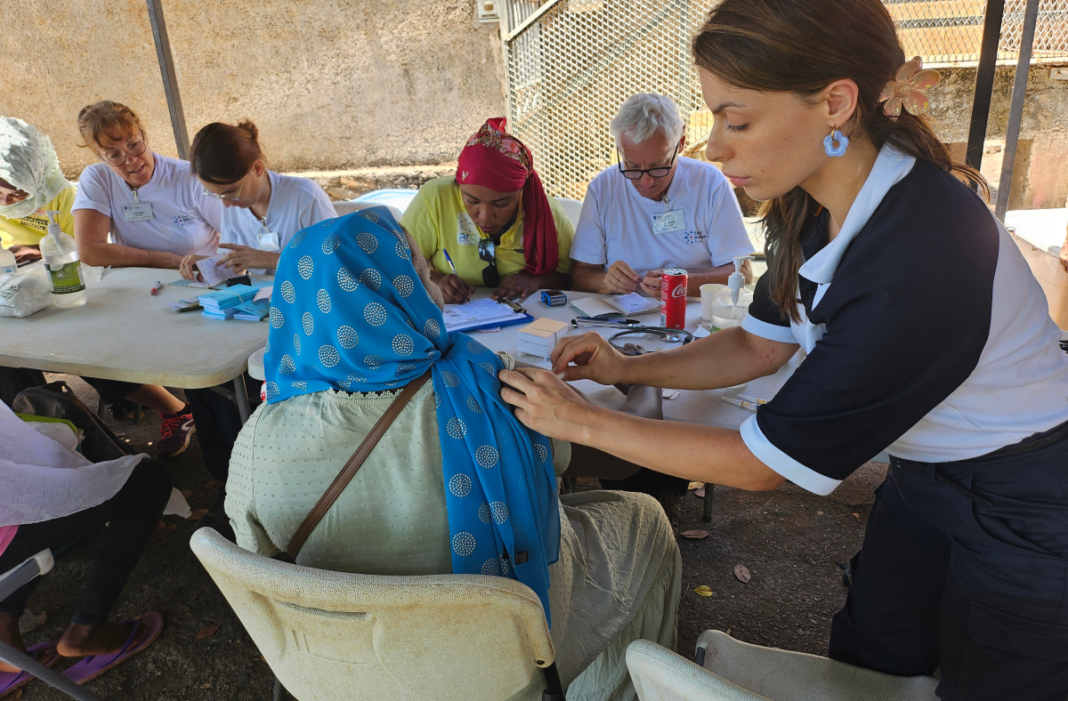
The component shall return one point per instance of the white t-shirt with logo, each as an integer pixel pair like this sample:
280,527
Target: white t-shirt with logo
697,226
184,219
295,203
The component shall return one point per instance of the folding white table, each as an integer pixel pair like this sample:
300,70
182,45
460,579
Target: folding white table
125,333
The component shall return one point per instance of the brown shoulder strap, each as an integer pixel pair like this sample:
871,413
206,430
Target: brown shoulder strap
345,476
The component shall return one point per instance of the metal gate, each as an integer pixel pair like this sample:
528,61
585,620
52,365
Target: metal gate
570,63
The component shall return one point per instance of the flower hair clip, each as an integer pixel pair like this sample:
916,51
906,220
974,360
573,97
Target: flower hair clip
909,89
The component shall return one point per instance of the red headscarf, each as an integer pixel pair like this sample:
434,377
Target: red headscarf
495,159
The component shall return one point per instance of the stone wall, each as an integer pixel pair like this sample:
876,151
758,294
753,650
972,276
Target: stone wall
332,84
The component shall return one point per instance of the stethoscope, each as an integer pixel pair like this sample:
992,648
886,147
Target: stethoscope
632,327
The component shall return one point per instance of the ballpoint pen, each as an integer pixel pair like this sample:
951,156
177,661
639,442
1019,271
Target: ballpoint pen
754,400
453,266
156,288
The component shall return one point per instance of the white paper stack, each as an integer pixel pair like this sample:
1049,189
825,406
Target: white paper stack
540,337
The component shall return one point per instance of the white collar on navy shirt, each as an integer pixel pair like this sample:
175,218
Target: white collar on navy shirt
891,166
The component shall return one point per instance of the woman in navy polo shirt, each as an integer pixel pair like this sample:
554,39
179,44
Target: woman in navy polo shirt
926,336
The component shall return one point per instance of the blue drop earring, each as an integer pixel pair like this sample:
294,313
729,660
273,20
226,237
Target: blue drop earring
829,144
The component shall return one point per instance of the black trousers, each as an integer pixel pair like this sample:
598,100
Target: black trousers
126,519
218,422
111,390
965,568
648,482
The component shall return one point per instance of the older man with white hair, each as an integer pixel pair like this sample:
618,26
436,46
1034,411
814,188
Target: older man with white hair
656,209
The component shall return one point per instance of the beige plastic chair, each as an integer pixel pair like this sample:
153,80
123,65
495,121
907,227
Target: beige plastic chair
737,671
331,635
343,208
573,208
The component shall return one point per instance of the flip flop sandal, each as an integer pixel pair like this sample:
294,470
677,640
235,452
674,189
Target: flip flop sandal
92,666
45,653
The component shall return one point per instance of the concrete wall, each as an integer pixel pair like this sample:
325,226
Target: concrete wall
1040,175
331,84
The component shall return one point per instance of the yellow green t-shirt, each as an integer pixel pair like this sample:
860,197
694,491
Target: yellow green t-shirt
27,231
438,221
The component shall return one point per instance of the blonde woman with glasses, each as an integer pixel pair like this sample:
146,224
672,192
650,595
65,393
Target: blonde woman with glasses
153,207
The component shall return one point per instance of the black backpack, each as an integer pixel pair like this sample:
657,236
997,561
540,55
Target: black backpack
56,400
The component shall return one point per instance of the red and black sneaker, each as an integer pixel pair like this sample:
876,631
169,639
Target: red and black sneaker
175,432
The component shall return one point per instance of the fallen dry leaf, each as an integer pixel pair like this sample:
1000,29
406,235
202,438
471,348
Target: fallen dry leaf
856,515
207,631
742,573
819,513
163,530
695,485
699,493
703,591
695,535
728,631
197,515
187,493
206,686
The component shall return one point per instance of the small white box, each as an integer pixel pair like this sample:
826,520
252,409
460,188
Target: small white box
540,337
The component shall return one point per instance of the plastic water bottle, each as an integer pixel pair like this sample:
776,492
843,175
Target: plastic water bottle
7,262
64,266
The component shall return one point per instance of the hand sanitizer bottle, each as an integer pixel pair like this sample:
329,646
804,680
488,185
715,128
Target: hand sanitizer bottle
7,262
730,305
64,266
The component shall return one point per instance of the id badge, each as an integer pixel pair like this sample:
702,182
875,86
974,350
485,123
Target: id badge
139,211
466,231
268,241
669,222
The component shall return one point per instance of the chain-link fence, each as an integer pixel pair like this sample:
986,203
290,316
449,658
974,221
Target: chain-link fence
571,63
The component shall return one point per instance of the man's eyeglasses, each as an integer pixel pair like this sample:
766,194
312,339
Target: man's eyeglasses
229,197
658,172
487,251
119,158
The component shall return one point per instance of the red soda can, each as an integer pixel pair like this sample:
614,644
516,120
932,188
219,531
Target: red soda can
673,299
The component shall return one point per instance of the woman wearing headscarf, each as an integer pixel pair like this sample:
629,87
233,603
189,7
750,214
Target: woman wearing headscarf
31,184
492,225
456,484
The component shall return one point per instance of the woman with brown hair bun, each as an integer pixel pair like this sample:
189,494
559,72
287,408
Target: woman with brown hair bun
926,336
262,209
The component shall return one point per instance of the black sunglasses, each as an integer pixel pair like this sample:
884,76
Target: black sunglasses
487,251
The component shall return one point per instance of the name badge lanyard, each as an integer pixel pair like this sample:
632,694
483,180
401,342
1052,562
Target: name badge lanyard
138,211
268,240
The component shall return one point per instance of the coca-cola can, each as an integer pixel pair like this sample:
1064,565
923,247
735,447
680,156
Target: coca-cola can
673,299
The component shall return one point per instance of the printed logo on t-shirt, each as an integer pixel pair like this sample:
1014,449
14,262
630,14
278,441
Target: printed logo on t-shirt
183,219
466,231
694,237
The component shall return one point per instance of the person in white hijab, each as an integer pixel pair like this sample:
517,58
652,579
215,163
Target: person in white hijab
31,183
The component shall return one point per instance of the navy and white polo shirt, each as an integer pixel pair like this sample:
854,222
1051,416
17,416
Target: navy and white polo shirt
926,333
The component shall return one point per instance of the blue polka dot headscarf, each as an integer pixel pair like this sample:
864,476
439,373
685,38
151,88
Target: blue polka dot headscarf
349,312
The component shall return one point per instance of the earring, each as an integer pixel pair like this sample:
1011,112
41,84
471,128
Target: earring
829,144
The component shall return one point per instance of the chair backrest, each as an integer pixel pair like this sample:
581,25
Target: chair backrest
343,208
573,208
780,674
332,635
661,675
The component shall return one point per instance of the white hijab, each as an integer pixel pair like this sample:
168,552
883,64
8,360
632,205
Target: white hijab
29,162
43,479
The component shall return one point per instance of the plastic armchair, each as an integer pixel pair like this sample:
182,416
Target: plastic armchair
573,208
343,208
333,635
10,582
737,671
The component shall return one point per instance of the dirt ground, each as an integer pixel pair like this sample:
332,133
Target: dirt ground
789,541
